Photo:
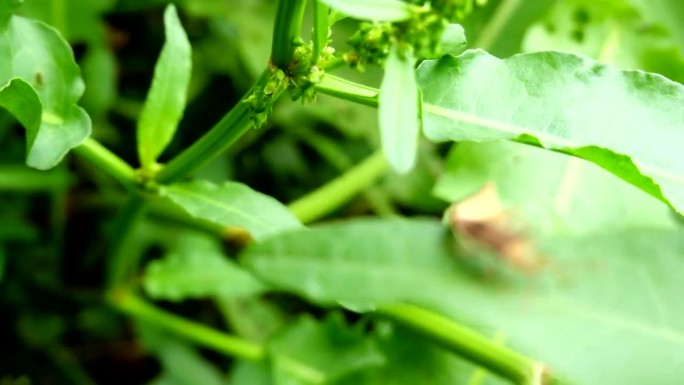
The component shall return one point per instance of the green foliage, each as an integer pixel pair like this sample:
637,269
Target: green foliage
164,105
510,214
40,87
546,99
232,204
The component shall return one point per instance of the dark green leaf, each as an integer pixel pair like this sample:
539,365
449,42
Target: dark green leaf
376,10
232,204
198,269
165,101
44,100
628,122
398,112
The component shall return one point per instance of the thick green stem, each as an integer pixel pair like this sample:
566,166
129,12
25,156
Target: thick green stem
121,263
468,344
107,161
136,307
286,32
332,195
229,129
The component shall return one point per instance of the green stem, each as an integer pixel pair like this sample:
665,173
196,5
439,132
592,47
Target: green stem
348,90
469,344
286,31
105,160
492,31
331,152
332,195
233,125
129,303
320,29
121,263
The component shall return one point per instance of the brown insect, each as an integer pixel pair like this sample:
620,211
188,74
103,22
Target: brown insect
480,225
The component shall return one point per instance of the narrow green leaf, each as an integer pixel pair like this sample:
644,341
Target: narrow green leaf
329,348
398,112
320,29
376,10
198,269
232,204
628,122
44,100
163,108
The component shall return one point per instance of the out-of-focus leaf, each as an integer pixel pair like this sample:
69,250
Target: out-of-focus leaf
329,349
611,31
166,99
398,112
376,10
546,191
232,204
250,373
181,364
610,300
40,84
198,269
3,262
99,71
412,359
628,122
76,20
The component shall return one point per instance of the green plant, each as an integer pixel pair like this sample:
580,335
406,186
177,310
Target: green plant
527,210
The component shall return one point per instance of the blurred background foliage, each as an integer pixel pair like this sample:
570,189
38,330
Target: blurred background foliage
53,225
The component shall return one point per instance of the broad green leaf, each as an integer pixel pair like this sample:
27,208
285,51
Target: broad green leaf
376,10
232,204
628,122
611,301
329,349
398,112
40,84
545,191
198,269
181,363
163,108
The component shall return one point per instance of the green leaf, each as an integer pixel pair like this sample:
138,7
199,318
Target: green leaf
386,250
76,20
163,108
232,204
547,191
411,359
198,269
329,349
181,363
624,121
615,313
376,10
44,99
3,262
398,112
